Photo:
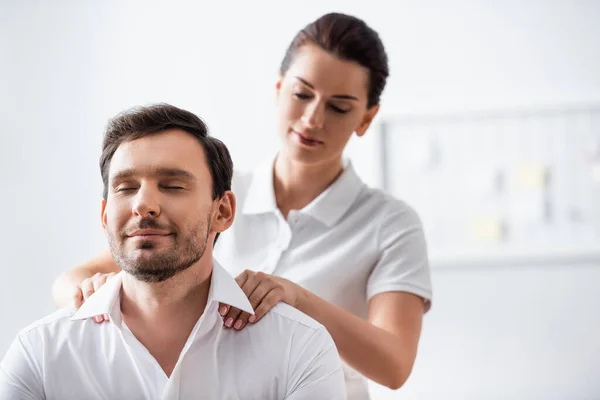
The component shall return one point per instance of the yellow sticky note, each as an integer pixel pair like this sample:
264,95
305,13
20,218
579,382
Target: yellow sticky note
531,176
488,229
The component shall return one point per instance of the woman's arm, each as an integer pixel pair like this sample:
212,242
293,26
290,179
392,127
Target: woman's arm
70,288
384,347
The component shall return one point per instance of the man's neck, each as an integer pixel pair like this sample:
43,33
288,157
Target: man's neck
162,315
297,184
174,298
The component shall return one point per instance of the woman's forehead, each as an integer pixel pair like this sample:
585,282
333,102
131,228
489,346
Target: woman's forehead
328,73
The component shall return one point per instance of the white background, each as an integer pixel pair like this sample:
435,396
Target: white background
516,332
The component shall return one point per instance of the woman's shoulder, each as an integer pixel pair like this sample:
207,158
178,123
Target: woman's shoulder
241,180
385,206
257,179
240,183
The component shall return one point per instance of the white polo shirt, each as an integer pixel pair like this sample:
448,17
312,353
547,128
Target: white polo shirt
64,356
349,244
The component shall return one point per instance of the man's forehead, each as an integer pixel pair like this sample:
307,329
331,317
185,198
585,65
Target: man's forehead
156,171
169,153
170,142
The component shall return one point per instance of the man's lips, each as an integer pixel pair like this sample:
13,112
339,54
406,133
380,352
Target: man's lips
149,233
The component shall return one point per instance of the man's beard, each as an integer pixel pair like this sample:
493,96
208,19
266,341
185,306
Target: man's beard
165,264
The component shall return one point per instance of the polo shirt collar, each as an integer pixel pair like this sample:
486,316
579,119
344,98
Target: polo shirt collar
327,208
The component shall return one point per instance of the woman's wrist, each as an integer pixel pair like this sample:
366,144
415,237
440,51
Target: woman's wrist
302,298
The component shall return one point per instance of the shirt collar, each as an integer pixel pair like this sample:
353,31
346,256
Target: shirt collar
225,289
260,197
106,300
327,208
337,199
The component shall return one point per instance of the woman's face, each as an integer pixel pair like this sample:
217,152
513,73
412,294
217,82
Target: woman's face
321,102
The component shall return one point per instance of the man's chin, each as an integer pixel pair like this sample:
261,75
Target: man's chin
154,264
150,274
148,255
151,265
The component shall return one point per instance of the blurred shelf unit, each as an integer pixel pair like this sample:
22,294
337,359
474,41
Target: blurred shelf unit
513,187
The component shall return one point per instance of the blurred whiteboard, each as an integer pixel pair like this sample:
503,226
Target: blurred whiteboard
516,187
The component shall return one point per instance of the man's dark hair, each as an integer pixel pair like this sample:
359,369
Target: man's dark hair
140,122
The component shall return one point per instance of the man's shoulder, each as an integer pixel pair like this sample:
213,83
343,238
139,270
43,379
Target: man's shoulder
58,327
287,334
58,317
294,317
304,350
299,330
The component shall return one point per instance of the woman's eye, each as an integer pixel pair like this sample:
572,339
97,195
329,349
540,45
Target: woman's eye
173,187
338,110
301,96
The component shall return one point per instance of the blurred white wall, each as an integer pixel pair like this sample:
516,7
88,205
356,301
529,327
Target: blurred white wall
67,66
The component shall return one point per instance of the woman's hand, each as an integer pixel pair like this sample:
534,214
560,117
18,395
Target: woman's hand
263,292
87,287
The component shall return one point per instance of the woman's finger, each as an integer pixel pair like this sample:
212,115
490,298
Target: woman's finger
223,309
241,321
77,299
251,282
87,288
255,298
243,277
259,293
270,300
99,281
231,317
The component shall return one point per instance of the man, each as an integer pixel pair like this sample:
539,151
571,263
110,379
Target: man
166,199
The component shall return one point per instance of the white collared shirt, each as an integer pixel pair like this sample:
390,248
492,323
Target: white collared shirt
349,244
63,356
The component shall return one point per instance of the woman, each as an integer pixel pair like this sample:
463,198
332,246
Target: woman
313,234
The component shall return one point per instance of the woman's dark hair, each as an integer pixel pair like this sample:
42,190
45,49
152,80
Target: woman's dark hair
348,38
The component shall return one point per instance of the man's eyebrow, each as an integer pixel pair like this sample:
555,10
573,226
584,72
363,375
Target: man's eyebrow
163,172
335,96
175,173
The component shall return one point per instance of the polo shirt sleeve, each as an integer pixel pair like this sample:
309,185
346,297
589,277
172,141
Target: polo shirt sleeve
402,264
315,368
20,372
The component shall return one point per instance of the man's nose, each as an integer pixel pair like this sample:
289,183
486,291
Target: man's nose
146,203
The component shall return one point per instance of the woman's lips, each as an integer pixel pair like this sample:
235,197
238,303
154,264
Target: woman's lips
306,140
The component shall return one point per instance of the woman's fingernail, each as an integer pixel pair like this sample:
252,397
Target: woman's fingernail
97,319
229,322
238,324
223,311
106,317
252,318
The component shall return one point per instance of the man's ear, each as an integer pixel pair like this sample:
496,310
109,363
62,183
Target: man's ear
367,119
224,212
103,214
